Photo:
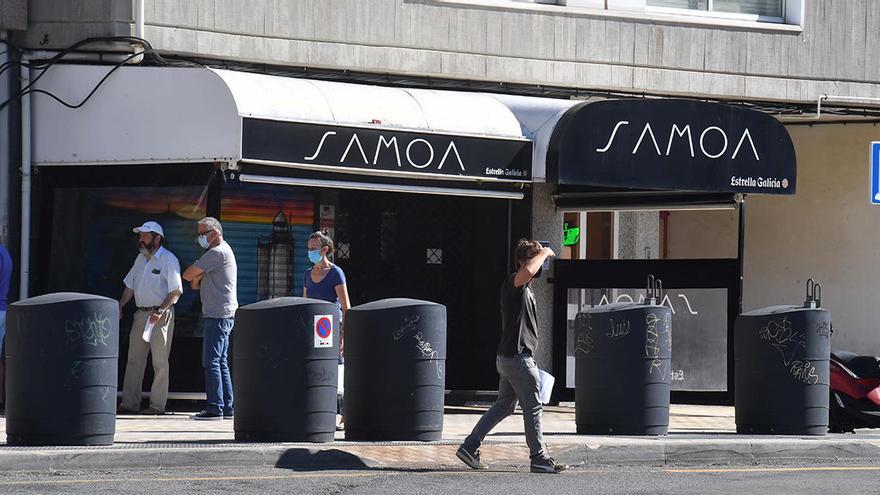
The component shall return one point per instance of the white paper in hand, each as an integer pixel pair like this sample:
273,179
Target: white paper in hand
545,386
340,384
148,331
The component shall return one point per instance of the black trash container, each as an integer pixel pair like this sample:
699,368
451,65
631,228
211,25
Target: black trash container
286,359
62,352
395,356
622,369
782,371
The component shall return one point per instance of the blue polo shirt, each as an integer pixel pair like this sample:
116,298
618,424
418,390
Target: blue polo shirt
326,288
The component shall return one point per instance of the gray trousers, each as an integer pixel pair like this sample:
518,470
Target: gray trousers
160,348
519,382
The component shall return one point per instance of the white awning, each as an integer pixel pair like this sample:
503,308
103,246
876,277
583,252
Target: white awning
179,115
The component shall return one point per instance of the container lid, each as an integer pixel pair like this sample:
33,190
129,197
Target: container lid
395,302
620,306
785,308
59,297
281,302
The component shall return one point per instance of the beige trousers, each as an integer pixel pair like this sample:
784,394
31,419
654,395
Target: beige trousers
160,347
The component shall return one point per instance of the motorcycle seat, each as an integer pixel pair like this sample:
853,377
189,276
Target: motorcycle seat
861,366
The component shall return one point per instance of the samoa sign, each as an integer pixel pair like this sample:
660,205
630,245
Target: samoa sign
672,145
385,152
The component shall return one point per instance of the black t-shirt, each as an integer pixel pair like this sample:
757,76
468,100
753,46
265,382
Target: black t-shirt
519,319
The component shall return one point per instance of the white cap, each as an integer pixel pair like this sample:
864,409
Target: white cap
150,227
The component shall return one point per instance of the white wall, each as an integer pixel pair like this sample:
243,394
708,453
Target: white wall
827,231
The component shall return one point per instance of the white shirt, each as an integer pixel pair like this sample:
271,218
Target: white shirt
152,280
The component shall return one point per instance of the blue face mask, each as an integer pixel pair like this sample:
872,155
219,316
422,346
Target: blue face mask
315,256
203,241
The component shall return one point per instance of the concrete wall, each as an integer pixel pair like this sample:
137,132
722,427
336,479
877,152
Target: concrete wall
638,235
827,231
54,24
546,226
13,15
510,41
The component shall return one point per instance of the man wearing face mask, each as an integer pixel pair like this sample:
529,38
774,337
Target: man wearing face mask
215,274
154,281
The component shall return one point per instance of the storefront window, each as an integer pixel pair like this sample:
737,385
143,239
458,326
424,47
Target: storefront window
699,333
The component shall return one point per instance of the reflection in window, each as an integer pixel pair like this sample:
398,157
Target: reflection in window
763,8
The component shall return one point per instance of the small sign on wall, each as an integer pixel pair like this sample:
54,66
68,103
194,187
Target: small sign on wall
874,166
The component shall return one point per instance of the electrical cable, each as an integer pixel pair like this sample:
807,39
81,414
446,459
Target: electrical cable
86,99
148,53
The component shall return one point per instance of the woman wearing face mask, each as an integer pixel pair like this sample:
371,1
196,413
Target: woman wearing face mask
326,281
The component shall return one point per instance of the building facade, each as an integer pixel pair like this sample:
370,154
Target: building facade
805,63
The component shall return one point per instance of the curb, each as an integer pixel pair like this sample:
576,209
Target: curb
702,453
436,455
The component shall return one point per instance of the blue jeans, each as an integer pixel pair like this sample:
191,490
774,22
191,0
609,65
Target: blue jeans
215,352
519,382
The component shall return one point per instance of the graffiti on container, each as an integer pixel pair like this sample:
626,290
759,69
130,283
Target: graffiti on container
321,376
618,330
804,371
779,334
678,376
76,369
409,324
666,301
92,330
584,335
74,373
823,329
427,351
656,336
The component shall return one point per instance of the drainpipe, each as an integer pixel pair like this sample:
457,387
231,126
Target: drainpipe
4,142
139,18
25,180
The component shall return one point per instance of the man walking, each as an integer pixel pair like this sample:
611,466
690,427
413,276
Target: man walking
154,281
214,274
519,373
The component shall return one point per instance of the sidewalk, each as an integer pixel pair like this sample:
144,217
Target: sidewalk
699,435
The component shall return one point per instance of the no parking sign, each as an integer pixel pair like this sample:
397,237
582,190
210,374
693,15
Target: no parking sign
874,162
323,331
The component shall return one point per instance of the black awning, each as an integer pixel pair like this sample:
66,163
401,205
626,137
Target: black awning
672,145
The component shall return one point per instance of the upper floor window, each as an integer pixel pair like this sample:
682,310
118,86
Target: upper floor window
769,10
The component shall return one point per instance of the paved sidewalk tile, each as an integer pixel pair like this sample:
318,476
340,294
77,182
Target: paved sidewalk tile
559,423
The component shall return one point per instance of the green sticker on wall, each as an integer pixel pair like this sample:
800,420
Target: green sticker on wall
570,236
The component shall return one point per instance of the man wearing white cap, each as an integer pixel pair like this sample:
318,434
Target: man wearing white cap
154,281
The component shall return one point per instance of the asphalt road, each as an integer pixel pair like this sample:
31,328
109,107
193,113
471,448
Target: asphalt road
778,480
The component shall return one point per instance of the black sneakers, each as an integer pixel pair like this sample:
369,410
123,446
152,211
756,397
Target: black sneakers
205,415
469,458
547,465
